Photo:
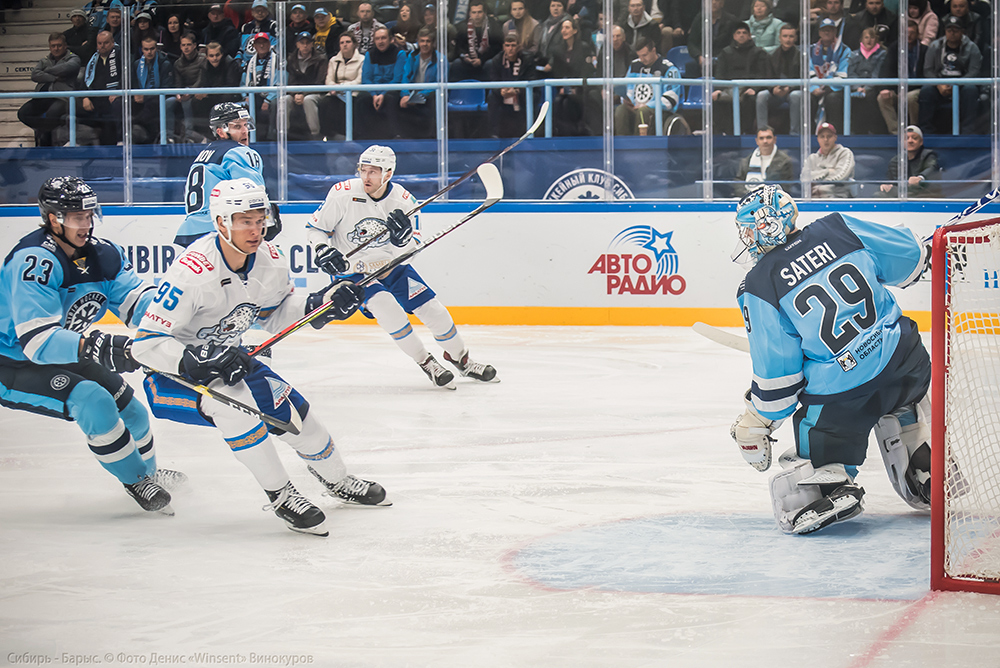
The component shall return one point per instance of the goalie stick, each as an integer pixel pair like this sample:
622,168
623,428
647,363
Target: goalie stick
734,341
464,177
490,177
971,209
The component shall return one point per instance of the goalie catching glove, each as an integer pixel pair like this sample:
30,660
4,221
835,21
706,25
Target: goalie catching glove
346,298
205,363
400,228
112,352
752,433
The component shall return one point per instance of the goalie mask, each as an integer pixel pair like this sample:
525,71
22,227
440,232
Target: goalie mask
379,156
764,219
238,196
67,197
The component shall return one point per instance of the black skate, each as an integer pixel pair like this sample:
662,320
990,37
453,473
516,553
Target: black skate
467,367
169,480
298,512
843,503
354,490
437,373
149,495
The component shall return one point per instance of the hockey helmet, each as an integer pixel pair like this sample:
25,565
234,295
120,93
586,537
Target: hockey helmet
226,112
236,196
764,219
379,156
62,194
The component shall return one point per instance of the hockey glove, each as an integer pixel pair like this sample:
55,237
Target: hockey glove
205,363
752,433
346,298
400,228
111,352
275,229
331,260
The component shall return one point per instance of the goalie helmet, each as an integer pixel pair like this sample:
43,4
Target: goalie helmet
379,156
226,112
238,195
764,218
62,194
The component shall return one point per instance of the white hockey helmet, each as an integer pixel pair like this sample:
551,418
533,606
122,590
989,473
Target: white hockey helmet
764,219
229,197
379,156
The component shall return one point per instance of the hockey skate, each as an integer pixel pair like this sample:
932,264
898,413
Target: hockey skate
298,512
440,376
150,496
354,490
842,503
467,367
169,480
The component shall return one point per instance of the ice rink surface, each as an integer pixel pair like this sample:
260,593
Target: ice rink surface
589,510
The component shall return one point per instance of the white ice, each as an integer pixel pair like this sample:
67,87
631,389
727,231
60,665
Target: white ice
589,510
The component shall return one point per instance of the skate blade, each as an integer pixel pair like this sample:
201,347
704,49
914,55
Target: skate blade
384,503
166,510
318,530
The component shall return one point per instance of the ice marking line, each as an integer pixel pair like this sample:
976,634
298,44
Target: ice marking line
894,631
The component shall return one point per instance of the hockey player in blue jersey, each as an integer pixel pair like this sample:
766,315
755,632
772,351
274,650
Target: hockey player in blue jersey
54,284
830,348
228,158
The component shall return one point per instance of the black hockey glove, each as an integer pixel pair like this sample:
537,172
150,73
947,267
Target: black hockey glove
331,260
111,352
205,363
275,229
346,298
400,228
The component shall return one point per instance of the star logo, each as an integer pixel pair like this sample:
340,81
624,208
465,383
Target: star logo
660,244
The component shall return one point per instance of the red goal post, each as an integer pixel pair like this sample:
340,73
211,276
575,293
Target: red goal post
965,400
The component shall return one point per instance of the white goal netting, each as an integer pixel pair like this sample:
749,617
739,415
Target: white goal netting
971,378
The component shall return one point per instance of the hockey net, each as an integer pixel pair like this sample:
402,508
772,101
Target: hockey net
965,400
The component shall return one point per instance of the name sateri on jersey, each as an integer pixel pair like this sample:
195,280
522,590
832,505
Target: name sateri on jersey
806,264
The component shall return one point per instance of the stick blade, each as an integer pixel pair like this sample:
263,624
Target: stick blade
734,341
490,176
542,113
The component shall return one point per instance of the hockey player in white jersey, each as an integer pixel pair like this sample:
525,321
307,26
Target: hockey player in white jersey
831,349
371,205
54,284
212,294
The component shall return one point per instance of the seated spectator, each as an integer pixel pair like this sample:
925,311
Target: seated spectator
676,18
97,13
114,21
831,168
221,30
927,20
430,21
261,23
505,106
298,22
876,16
976,26
56,71
305,67
416,115
364,28
548,33
188,70
833,10
784,64
921,167
221,71
951,56
327,29
787,11
104,72
828,61
524,26
476,45
143,28
343,69
377,109
766,164
150,71
170,37
866,63
765,29
576,110
238,12
586,13
740,60
640,25
888,97
405,28
262,70
81,38
723,24
636,113
622,56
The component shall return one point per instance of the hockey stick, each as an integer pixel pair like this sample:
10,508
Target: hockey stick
971,209
463,178
490,177
292,427
734,341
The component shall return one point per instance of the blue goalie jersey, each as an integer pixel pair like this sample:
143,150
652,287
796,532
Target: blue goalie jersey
820,321
221,160
47,301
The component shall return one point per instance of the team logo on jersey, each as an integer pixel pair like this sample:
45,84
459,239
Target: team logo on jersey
642,262
59,382
84,311
366,229
847,361
279,390
232,325
414,288
587,184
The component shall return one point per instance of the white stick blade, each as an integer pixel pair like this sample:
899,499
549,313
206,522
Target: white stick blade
542,113
734,341
490,176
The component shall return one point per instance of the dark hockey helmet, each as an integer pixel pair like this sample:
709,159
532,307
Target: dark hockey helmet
226,112
62,194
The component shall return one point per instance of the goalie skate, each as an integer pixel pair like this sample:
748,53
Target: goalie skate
298,512
841,504
354,490
150,496
467,367
440,376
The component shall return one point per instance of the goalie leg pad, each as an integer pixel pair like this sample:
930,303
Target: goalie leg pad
903,438
787,496
806,499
